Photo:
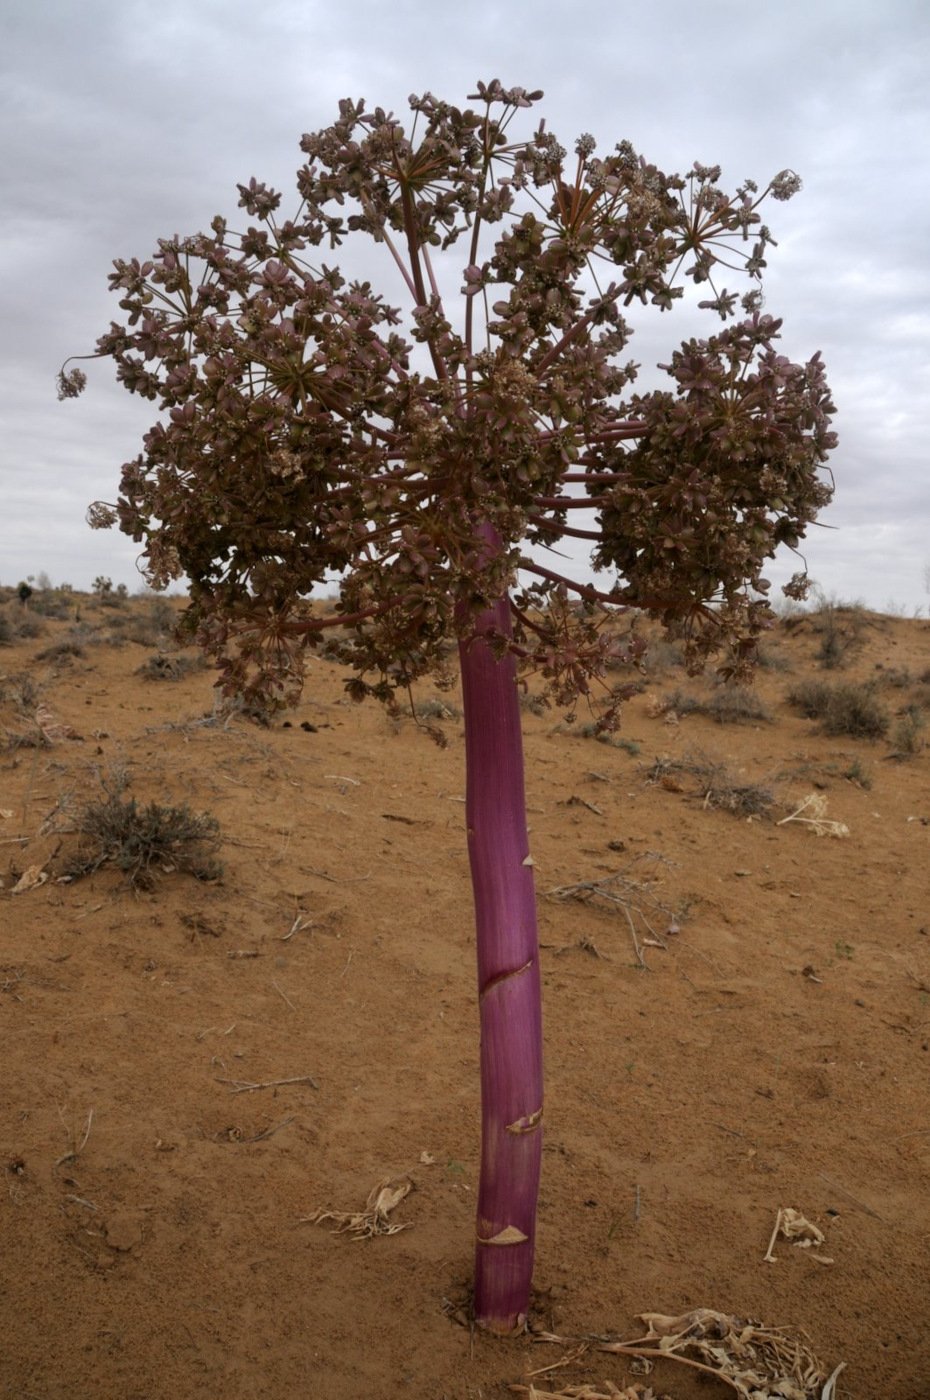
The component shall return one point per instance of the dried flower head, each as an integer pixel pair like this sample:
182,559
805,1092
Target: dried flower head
309,429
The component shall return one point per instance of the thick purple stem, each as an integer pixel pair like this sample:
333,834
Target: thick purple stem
508,978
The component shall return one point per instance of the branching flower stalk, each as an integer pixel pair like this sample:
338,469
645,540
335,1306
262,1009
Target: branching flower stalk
309,429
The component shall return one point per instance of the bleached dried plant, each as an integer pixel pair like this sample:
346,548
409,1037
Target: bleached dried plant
816,807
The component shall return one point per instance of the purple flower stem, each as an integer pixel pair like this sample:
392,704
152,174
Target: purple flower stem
508,979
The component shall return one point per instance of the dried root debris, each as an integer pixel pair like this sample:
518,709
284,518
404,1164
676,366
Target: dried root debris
373,1220
757,1362
793,1226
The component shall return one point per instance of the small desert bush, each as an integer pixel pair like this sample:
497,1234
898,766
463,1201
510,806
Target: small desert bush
7,635
663,656
731,704
895,677
735,704
52,604
853,710
857,773
908,737
772,659
141,840
684,702
28,628
154,624
840,626
61,651
171,668
591,731
436,708
21,690
712,781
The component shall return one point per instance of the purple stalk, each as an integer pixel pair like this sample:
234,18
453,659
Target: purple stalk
508,978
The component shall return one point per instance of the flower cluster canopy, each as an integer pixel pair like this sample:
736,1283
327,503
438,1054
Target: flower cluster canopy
311,429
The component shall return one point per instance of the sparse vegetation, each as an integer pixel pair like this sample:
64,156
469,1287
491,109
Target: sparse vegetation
436,708
142,841
712,781
857,773
908,736
737,704
164,667
852,710
840,626
61,651
730,704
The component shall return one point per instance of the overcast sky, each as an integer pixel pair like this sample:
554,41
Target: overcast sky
128,120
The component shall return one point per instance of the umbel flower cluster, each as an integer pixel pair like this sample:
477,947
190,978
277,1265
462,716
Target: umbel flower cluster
310,430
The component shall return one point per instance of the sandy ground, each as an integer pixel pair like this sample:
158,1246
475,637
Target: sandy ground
158,1167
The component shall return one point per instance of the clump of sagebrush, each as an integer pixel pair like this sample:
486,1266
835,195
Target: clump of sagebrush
908,736
64,650
737,705
143,840
164,667
840,627
853,710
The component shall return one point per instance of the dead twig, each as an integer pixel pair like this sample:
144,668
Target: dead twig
76,1147
334,879
850,1197
243,1086
284,997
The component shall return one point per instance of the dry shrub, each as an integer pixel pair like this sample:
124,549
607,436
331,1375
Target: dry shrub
591,731
908,737
663,656
853,710
731,704
436,708
171,668
735,704
896,677
840,626
61,651
139,840
22,691
28,628
713,782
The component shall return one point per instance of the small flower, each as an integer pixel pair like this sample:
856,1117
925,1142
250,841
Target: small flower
101,516
785,184
70,385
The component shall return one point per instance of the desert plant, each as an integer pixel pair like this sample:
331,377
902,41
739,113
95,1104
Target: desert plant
908,736
840,627
162,667
853,710
712,781
140,840
310,430
737,704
